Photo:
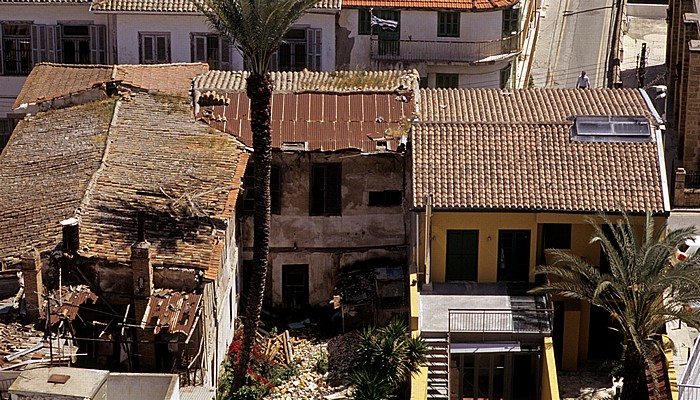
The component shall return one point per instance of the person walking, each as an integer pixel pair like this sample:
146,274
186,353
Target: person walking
583,82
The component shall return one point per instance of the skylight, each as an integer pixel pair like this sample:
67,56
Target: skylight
589,128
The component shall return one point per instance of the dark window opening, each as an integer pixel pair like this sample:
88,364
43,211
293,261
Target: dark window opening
447,81
363,23
76,44
556,236
448,24
248,205
504,79
325,189
295,286
17,49
155,48
385,198
511,21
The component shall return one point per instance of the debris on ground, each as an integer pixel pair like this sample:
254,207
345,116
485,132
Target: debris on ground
309,354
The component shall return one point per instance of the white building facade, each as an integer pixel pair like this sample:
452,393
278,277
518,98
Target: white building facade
137,32
450,43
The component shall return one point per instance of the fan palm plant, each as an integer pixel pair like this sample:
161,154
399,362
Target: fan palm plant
641,292
256,27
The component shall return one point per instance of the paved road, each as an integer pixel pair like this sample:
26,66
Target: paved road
574,36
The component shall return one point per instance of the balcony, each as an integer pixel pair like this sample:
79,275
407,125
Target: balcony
470,308
445,50
689,386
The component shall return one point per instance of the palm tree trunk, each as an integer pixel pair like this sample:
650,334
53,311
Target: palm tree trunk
634,385
259,90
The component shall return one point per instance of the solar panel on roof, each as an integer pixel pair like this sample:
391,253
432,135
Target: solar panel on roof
611,129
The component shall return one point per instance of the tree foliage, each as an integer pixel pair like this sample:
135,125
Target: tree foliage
386,359
641,292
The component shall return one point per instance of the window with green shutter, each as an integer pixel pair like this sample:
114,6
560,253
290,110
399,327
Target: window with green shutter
448,24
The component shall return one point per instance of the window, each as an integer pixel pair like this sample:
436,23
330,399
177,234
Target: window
212,49
513,255
16,49
300,48
556,236
448,24
504,79
5,132
462,255
295,286
325,189
83,44
511,21
363,22
385,198
448,81
249,190
154,48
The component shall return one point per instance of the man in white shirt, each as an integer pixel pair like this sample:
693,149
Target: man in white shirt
583,82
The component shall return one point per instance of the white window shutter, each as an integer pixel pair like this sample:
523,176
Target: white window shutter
98,44
53,43
313,49
38,44
199,48
225,46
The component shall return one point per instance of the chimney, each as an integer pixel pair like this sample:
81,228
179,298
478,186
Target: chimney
71,235
33,285
141,270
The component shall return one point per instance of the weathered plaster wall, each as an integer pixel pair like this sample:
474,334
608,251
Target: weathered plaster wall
329,243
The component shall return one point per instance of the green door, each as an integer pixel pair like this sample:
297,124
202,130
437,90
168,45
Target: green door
462,255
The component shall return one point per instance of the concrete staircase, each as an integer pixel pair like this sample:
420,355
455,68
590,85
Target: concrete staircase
438,368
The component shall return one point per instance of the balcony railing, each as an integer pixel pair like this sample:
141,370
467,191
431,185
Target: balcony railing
445,50
534,320
689,386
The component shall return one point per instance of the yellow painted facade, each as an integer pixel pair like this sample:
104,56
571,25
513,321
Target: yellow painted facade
488,225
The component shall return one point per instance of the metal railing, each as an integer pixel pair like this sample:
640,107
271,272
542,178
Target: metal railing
689,386
510,320
692,180
444,50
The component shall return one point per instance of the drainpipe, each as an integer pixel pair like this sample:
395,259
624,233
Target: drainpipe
428,217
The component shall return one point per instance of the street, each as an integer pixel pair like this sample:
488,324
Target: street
574,36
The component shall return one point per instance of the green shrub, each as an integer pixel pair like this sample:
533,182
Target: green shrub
369,385
321,365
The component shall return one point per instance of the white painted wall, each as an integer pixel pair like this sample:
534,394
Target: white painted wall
135,386
180,26
422,25
39,13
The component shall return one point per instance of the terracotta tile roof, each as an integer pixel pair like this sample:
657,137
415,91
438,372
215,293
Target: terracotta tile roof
325,122
171,310
528,105
184,175
433,4
531,166
307,81
48,80
72,297
171,6
46,1
44,172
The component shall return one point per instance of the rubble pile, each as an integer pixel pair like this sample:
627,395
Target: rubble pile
310,383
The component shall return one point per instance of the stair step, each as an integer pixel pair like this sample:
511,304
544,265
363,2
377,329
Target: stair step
436,364
437,380
435,339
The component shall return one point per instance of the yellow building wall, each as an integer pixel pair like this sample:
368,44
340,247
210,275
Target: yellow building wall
550,383
577,315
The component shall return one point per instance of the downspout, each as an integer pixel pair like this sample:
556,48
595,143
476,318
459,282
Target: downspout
428,217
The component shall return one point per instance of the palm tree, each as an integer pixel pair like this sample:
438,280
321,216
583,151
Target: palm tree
387,357
642,291
257,27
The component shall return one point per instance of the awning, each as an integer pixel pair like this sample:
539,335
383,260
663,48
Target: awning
496,347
